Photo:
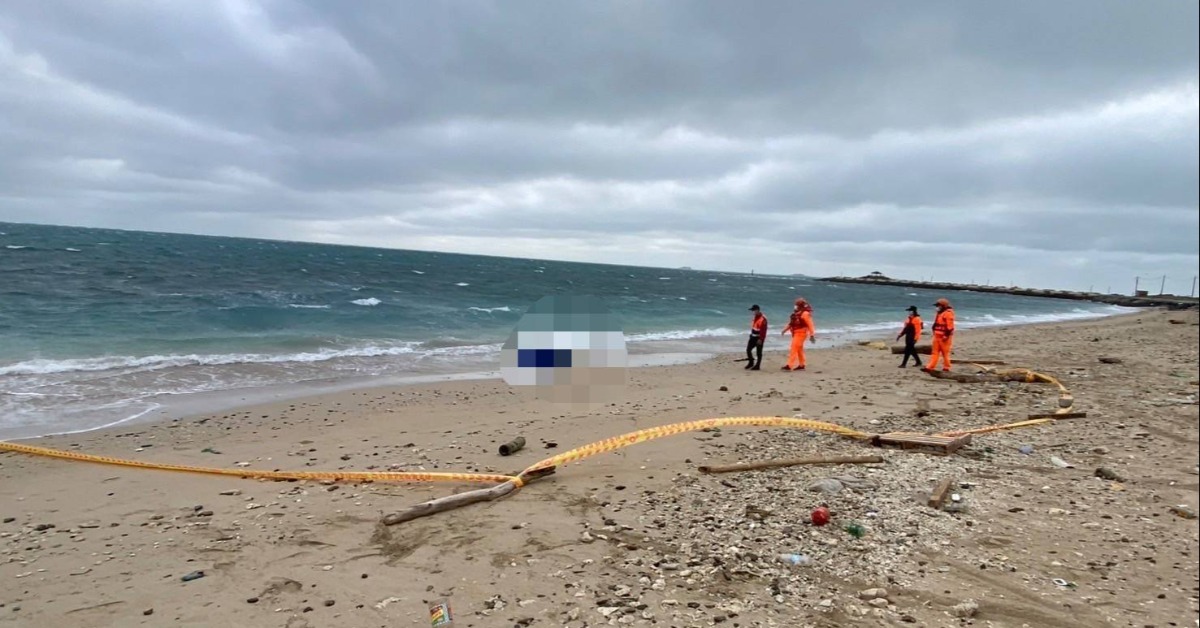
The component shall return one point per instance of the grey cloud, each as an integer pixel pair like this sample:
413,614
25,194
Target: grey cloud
663,132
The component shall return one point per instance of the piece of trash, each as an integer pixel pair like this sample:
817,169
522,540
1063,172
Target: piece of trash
820,516
1025,449
195,575
1063,583
795,559
856,530
1060,463
512,446
209,450
387,602
439,614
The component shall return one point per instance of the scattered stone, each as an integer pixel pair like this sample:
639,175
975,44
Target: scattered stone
195,575
148,612
252,600
329,603
1105,473
9,519
826,486
42,527
1108,360
871,594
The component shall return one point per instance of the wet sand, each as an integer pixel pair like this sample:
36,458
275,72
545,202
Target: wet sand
638,536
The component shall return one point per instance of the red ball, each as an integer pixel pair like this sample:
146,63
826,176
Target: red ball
820,516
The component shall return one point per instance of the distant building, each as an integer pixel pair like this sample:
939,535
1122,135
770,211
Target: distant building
876,276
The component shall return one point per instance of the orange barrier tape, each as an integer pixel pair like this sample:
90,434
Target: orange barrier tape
996,428
641,436
334,476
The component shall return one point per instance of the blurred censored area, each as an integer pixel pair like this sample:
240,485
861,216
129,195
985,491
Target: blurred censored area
569,349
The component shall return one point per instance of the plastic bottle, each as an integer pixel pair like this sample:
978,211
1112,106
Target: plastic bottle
795,559
439,614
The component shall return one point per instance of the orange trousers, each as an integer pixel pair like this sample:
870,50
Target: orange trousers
796,356
941,350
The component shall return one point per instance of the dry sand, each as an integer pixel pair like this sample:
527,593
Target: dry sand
638,537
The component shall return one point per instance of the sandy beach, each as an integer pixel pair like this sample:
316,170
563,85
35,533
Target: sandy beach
639,537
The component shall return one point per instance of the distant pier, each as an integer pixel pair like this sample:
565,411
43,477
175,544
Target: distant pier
1141,300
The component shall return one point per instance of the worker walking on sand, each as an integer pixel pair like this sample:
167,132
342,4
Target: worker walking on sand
758,335
911,334
801,327
943,335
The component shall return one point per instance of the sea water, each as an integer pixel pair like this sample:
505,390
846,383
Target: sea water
99,327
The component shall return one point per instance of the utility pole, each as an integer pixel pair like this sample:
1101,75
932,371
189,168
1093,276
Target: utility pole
1135,285
1193,292
1162,287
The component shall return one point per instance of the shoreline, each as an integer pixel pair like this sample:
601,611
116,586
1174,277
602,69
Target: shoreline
639,531
181,406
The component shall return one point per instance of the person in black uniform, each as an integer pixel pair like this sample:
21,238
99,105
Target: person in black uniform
758,335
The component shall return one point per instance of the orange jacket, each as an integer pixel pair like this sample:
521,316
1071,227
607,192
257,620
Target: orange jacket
758,326
800,322
917,325
943,323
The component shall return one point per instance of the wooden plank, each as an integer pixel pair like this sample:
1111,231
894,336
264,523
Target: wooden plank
941,492
1063,415
928,443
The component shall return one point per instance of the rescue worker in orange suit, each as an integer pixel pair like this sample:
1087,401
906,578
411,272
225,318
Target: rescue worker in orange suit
911,334
801,326
943,335
758,335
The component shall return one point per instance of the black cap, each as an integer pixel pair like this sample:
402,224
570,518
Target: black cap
911,308
755,307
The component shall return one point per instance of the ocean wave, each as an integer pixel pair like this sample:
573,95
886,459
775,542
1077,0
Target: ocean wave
683,334
489,310
462,284
371,301
72,250
15,247
418,272
301,306
156,362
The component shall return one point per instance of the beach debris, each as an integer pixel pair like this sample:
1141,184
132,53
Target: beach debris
819,516
1183,511
459,500
148,612
724,389
1060,463
551,444
512,446
855,529
386,602
195,575
42,527
774,464
252,600
9,519
1105,473
965,610
231,492
1110,360
1025,449
209,450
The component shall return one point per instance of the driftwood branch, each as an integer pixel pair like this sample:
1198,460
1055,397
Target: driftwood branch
940,493
921,350
1058,415
774,464
442,504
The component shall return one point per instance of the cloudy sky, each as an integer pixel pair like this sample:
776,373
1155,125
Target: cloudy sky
1044,143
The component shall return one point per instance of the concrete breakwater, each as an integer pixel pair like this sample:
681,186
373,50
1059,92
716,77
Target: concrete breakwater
1168,301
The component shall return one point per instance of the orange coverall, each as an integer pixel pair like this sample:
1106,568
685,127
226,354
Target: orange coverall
943,341
801,326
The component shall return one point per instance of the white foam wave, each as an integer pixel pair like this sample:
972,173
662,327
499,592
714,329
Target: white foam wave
72,250
489,310
15,247
418,272
683,334
156,362
462,284
372,301
301,306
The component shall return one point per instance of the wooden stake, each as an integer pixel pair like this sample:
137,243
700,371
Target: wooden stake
1062,415
939,494
442,504
774,464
